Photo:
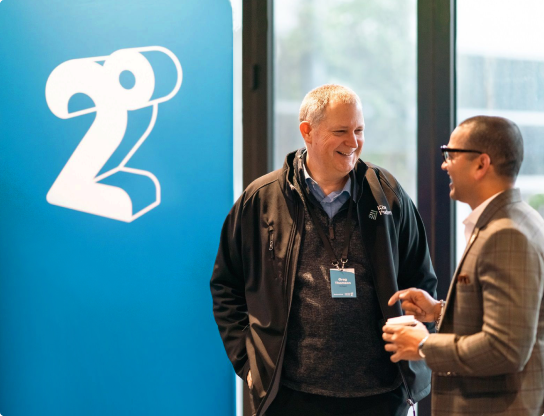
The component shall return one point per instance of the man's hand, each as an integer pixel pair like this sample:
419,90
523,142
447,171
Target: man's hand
417,302
404,341
249,380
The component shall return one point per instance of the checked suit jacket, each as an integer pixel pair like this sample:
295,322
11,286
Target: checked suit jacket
488,355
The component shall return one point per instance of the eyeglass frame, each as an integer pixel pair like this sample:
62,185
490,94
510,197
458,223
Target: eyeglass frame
445,150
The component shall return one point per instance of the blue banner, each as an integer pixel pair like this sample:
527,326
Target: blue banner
115,177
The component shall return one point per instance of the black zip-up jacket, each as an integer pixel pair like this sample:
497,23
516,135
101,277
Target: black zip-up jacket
254,273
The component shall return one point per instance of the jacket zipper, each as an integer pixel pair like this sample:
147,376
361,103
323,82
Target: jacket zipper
271,241
287,265
288,255
410,399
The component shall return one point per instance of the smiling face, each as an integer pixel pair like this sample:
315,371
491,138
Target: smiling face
335,143
461,167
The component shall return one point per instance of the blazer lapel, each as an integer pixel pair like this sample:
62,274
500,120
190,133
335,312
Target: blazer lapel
451,291
507,197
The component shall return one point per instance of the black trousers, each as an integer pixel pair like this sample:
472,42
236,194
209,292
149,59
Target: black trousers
295,403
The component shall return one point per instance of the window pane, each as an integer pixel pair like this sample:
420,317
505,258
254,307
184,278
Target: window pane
500,72
369,46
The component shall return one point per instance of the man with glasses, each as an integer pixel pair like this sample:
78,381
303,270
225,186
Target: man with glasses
488,354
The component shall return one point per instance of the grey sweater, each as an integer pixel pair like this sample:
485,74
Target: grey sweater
334,345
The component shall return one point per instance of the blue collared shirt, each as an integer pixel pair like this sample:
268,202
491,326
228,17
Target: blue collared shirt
332,202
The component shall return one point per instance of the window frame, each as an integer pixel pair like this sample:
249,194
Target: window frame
436,109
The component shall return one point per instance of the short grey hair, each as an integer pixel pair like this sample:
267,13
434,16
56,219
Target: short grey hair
500,138
315,102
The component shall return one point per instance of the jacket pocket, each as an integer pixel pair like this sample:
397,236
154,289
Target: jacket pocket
501,384
466,288
272,255
271,241
468,309
476,386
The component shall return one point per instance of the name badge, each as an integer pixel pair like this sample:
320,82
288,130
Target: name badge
343,283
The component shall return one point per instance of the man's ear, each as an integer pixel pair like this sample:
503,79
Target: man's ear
305,130
484,165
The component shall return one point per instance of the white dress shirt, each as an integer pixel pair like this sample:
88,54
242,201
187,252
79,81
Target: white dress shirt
472,219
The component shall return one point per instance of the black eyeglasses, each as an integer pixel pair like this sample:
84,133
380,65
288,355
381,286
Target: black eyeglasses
447,150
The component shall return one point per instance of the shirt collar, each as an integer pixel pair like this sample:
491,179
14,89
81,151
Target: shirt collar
472,219
318,192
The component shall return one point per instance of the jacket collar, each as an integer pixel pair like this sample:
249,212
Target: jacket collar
507,197
287,177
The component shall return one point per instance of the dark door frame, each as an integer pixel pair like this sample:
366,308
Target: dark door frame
436,108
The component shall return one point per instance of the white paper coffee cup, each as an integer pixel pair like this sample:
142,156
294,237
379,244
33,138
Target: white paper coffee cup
405,320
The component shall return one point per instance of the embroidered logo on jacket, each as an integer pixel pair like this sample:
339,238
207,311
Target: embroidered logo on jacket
373,215
383,210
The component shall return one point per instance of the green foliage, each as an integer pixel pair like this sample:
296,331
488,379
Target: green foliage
537,202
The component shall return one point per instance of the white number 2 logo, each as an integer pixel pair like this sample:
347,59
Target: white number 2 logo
77,187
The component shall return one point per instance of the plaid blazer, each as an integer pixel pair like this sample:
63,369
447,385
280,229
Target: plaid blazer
488,354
